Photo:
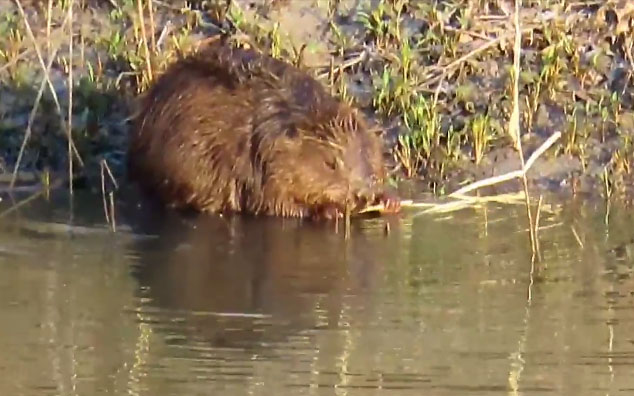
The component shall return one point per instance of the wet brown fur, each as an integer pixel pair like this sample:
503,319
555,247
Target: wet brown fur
228,129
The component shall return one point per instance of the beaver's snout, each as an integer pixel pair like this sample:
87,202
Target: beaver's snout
374,193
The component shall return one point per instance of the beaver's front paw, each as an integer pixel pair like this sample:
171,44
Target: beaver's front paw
390,201
327,212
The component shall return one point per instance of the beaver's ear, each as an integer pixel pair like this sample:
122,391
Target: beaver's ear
377,130
291,131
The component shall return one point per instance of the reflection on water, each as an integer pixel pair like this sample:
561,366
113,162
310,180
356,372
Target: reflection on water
174,305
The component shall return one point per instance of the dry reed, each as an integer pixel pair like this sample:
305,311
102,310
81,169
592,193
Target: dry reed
144,41
69,129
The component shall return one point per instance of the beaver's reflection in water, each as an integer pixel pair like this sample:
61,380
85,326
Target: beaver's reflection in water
241,281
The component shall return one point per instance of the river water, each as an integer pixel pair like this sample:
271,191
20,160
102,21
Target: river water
440,305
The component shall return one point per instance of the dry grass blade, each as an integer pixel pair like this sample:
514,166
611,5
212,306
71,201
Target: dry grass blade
448,207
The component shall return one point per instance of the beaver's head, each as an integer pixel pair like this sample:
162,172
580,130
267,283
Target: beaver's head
321,170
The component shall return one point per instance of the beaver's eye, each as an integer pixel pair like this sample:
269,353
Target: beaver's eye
332,163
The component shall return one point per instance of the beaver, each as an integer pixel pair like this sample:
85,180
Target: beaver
227,129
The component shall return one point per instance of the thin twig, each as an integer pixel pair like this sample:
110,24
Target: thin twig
537,217
166,30
103,193
15,60
361,56
574,232
404,203
109,211
510,175
112,212
468,201
112,178
346,231
437,72
35,195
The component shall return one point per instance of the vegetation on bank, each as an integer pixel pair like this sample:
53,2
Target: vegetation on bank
437,76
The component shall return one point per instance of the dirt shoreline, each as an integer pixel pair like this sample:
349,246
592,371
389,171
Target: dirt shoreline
436,78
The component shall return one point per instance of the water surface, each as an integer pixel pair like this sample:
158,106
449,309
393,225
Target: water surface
441,305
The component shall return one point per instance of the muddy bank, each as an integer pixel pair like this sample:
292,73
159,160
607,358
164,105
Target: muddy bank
436,77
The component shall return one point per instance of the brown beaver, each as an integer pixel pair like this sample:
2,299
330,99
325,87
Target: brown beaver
230,130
